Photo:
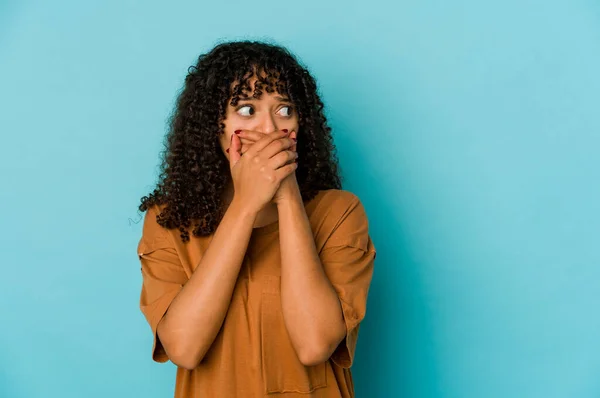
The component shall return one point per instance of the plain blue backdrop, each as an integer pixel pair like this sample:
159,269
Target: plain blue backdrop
470,130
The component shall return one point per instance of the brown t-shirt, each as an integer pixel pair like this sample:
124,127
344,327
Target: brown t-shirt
252,355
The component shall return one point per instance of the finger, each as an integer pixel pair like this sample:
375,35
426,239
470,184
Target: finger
250,135
246,144
246,141
265,141
285,171
234,150
282,158
275,147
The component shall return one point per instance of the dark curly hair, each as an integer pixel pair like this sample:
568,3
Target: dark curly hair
194,172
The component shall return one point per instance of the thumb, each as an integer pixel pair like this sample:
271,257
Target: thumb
234,150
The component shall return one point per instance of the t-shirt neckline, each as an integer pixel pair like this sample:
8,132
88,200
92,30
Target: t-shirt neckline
266,229
274,226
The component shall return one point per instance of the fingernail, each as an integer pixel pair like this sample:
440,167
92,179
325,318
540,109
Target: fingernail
295,140
237,131
285,130
227,150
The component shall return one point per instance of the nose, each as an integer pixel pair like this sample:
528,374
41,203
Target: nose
267,123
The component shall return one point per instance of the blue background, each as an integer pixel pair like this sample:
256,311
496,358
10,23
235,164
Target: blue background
470,130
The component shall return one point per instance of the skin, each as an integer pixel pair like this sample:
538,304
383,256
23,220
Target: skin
264,190
256,117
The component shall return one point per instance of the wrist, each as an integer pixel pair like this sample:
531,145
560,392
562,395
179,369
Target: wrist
243,210
288,196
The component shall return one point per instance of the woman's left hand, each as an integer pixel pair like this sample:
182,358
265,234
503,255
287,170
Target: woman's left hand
289,185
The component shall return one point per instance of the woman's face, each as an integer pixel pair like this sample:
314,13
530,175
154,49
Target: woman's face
270,113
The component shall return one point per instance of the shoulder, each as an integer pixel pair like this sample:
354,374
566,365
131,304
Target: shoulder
341,205
150,219
338,198
153,234
340,218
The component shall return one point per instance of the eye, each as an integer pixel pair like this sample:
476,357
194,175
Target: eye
249,112
289,111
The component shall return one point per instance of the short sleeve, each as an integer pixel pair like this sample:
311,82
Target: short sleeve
163,276
348,258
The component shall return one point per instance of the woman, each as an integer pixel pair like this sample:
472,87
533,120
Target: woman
255,263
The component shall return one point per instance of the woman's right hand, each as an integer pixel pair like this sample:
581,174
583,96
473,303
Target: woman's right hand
257,174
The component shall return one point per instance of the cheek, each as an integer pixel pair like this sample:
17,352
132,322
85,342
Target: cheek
225,140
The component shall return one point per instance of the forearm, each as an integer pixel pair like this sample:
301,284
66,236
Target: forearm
196,314
311,307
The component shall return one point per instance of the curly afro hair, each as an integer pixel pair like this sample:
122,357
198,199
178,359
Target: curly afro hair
193,170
